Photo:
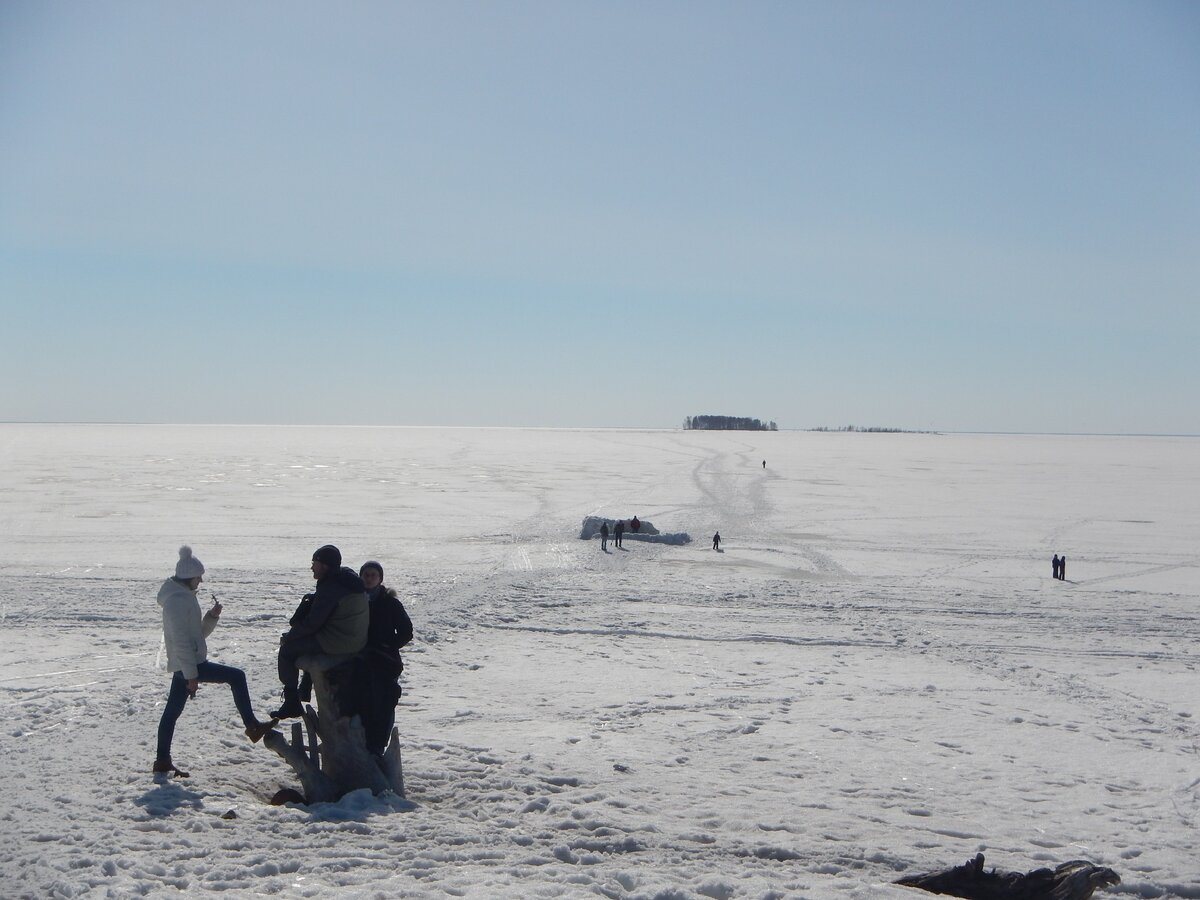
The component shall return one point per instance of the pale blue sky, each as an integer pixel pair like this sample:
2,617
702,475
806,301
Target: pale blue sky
959,216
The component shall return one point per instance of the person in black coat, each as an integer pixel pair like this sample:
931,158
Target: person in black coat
390,629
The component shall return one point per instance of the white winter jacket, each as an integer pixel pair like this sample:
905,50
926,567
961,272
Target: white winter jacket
184,629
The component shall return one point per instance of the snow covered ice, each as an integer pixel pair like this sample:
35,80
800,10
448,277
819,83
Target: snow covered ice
877,676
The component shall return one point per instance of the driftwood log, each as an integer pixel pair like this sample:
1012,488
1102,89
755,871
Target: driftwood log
1074,880
332,758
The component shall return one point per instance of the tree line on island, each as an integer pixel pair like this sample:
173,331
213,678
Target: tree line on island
745,423
727,423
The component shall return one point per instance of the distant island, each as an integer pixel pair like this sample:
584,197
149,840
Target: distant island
874,429
726,423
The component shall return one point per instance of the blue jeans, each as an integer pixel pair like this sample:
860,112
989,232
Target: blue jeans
206,673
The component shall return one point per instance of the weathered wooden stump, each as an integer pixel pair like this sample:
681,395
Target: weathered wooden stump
332,758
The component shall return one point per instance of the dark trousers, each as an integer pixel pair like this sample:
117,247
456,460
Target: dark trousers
206,673
289,673
378,710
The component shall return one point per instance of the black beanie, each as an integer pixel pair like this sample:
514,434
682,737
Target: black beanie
371,564
330,555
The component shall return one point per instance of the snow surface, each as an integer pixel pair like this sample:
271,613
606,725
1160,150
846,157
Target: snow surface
877,676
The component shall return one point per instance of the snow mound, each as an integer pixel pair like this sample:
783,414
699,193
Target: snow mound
645,532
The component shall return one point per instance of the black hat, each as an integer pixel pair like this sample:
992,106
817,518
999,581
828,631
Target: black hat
371,564
329,555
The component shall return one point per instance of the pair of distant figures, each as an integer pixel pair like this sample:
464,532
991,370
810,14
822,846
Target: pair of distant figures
618,532
1059,565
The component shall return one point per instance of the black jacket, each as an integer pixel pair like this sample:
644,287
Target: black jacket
390,629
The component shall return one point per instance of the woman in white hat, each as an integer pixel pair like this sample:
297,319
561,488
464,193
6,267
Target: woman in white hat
184,631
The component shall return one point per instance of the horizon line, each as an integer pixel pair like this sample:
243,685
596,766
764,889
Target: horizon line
818,429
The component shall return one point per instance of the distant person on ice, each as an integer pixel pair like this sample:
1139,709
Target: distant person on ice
717,541
618,531
390,629
1062,568
1055,564
332,619
184,631
635,523
604,537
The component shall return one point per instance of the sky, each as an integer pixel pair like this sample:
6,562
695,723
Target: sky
929,215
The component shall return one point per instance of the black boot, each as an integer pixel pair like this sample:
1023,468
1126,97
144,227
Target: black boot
291,705
166,767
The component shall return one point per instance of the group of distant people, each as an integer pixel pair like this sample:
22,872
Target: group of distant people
1059,567
618,532
350,615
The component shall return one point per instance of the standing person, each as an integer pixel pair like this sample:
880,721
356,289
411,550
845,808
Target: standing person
635,523
1062,567
1055,564
604,537
184,631
390,629
717,541
764,463
618,531
332,619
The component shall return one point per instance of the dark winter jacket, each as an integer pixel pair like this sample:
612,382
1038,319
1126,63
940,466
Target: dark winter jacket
390,629
335,613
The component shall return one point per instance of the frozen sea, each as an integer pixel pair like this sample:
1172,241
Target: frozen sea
876,677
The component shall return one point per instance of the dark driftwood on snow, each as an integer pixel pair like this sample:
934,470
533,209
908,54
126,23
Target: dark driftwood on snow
1074,880
332,759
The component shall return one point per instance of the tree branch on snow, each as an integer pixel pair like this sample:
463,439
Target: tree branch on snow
1074,880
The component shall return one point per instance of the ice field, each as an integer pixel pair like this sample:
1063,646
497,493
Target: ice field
876,676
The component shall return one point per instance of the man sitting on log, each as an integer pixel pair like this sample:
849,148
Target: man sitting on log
333,619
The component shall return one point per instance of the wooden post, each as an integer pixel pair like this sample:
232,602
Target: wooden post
336,760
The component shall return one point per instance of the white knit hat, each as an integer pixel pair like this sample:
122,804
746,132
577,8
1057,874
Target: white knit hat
188,566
